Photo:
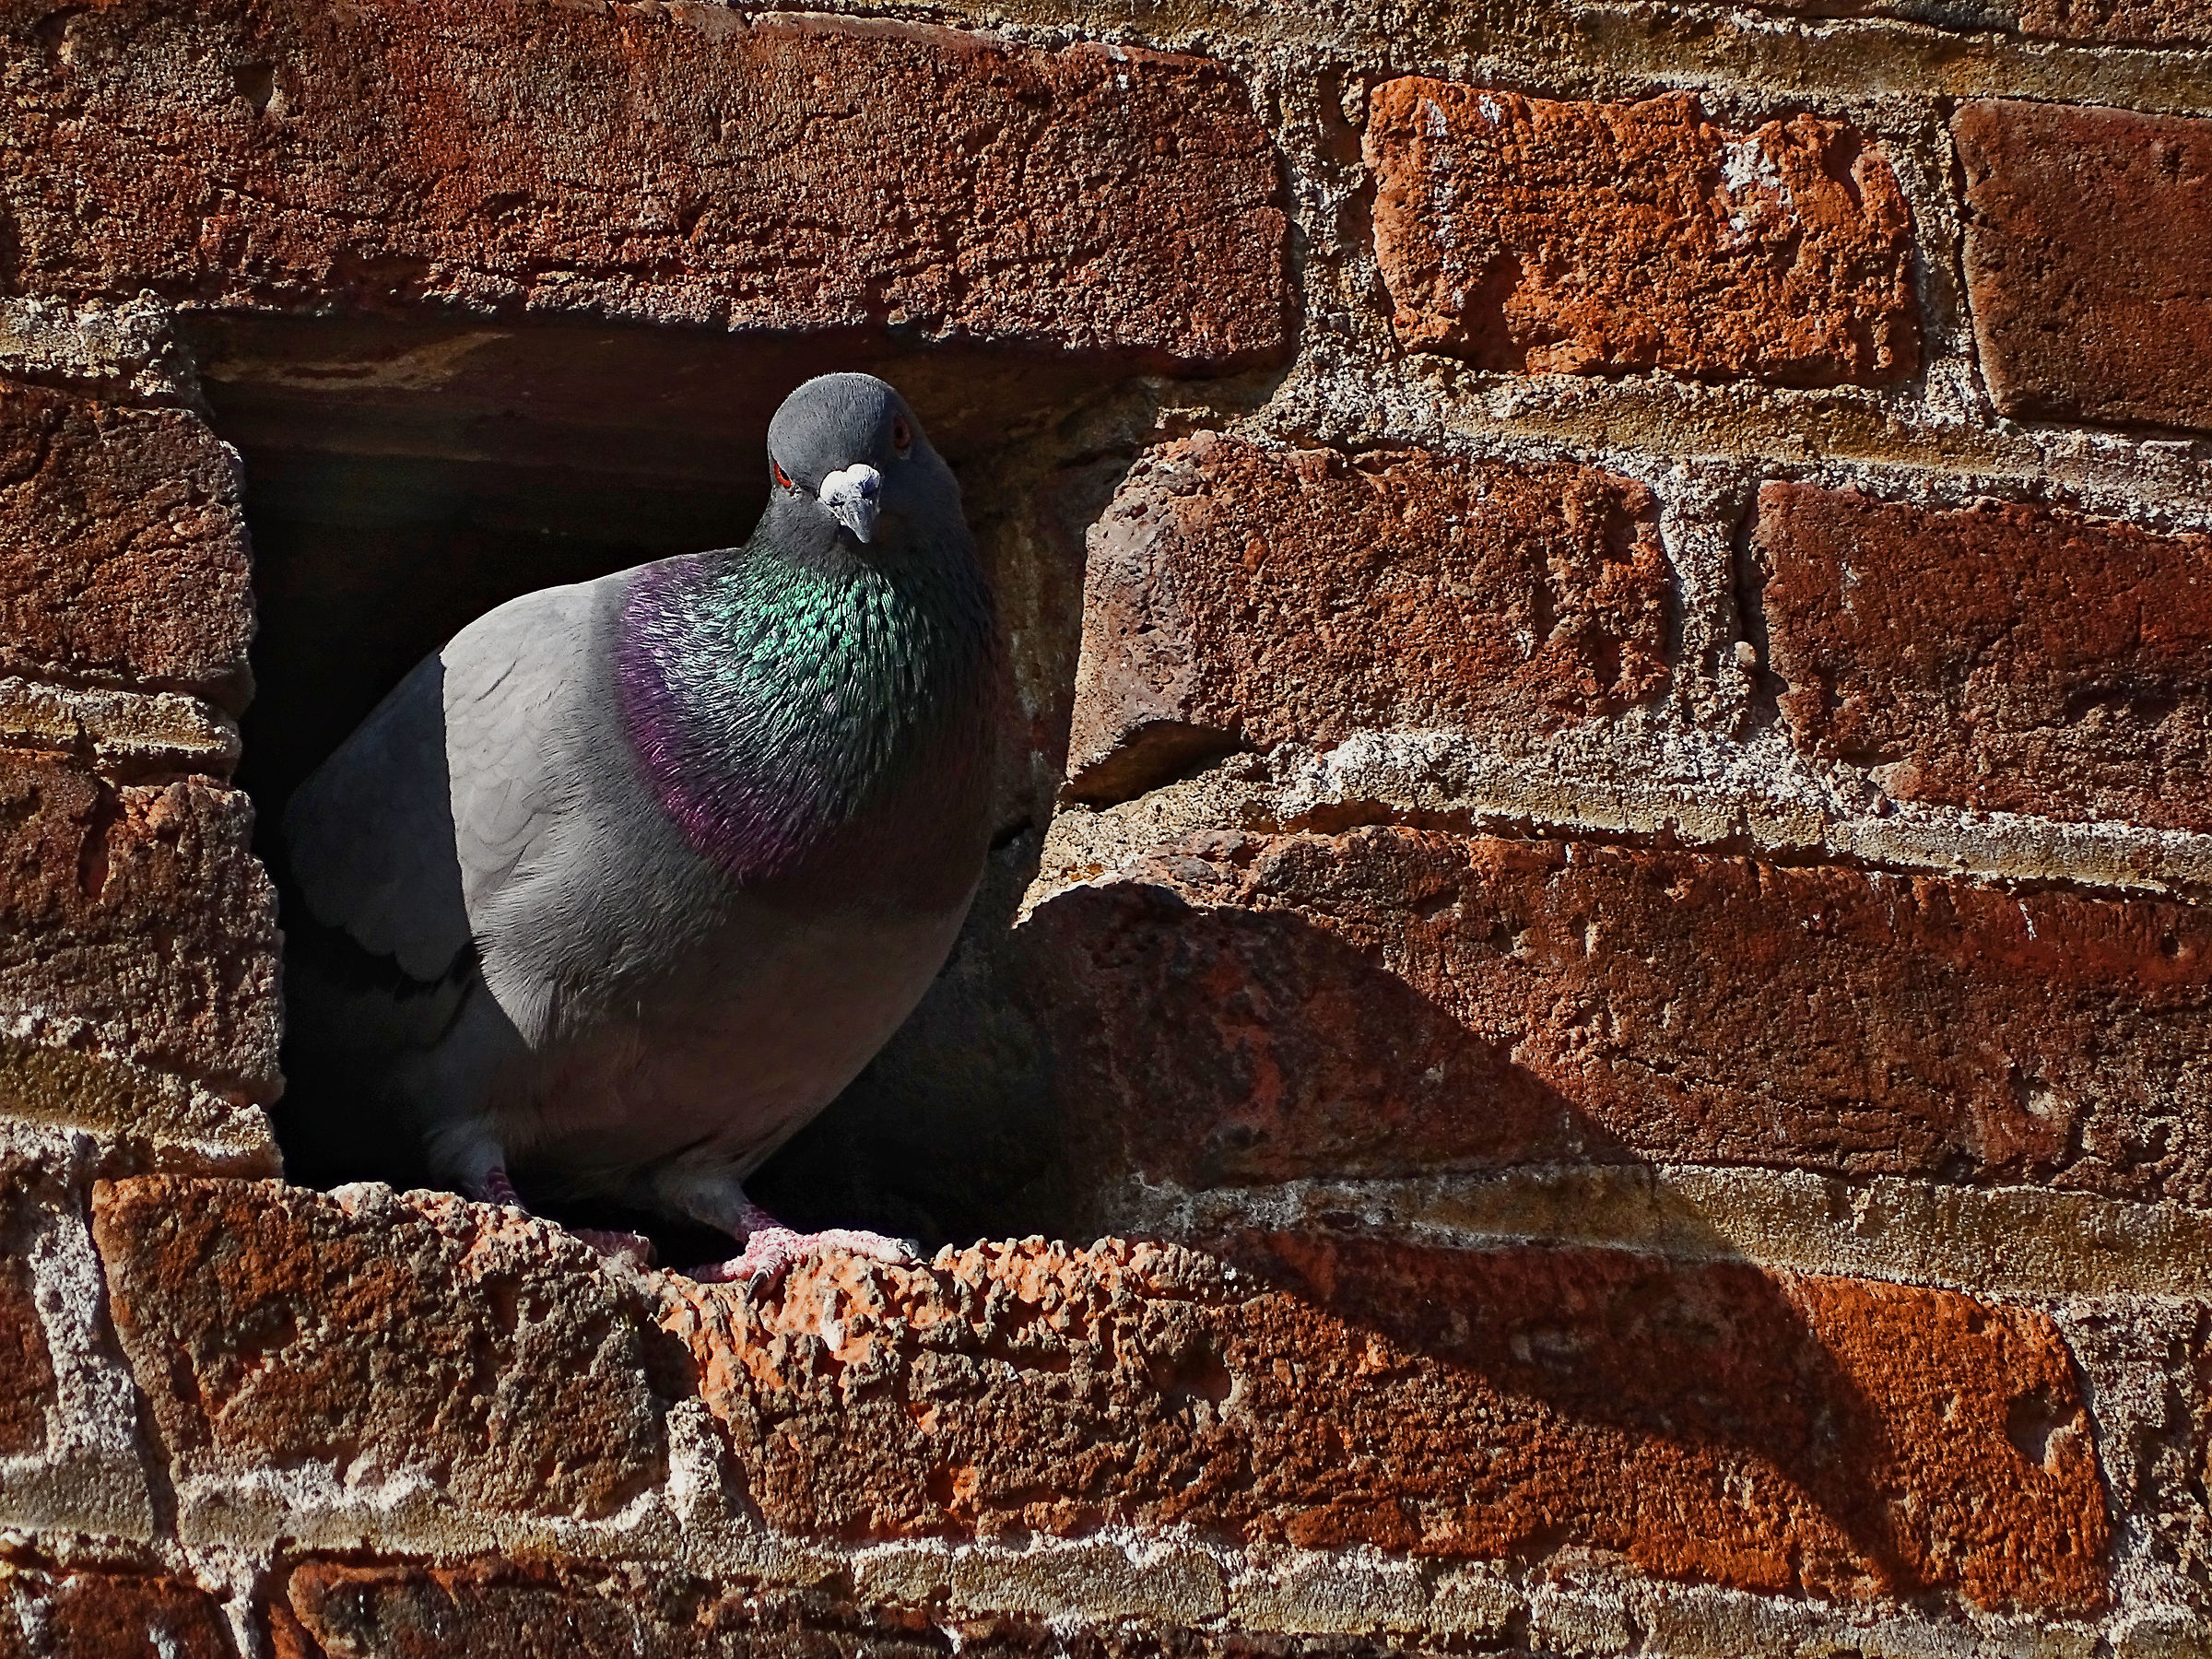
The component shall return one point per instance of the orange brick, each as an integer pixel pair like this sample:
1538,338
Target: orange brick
2088,260
270,1326
1712,1423
1555,238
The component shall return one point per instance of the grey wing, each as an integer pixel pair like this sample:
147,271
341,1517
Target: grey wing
370,835
429,810
521,685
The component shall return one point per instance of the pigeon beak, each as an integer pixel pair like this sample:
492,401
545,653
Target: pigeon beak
855,497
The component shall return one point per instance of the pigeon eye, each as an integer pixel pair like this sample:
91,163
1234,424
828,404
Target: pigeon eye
902,435
782,478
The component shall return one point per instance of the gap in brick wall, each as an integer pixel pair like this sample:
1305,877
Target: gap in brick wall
401,479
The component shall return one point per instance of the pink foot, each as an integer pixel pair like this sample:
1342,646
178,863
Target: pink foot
636,1247
770,1252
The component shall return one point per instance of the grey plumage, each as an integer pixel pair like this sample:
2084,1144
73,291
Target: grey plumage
632,876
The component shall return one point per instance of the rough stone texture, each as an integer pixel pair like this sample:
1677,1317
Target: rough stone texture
1709,1423
2000,657
134,920
1603,239
508,1609
61,1614
2148,1361
70,1455
2088,260
2112,22
1238,595
144,1120
381,1339
127,350
122,552
128,735
1395,1000
674,163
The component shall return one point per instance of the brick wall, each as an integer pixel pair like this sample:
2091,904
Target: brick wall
1598,957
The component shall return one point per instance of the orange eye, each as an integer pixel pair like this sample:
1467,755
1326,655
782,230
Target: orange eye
902,435
782,478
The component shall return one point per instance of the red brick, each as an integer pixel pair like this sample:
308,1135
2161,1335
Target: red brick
1709,1423
2089,261
113,1615
2115,22
26,1369
31,1190
1392,1001
123,554
273,1326
1603,239
1241,594
674,164
138,916
2001,657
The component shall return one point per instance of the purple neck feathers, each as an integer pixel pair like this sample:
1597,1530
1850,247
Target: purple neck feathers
823,731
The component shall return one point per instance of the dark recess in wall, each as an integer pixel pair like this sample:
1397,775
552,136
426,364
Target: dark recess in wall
402,480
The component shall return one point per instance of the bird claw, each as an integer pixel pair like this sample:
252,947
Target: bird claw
772,1252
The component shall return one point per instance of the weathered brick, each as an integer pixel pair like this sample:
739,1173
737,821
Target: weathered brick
2088,260
28,1192
26,1369
501,1609
510,1609
2116,23
90,1614
1999,657
675,164
1394,1001
1714,1423
1242,594
67,1427
2147,1361
132,736
136,917
123,550
144,1120
1603,239
378,1337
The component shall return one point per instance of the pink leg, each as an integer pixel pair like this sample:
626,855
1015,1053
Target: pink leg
496,1188
771,1248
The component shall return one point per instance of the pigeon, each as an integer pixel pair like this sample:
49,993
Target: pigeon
627,882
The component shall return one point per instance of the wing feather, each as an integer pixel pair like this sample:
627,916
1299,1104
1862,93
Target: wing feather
432,807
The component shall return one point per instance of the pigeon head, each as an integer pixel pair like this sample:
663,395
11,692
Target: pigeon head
848,463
